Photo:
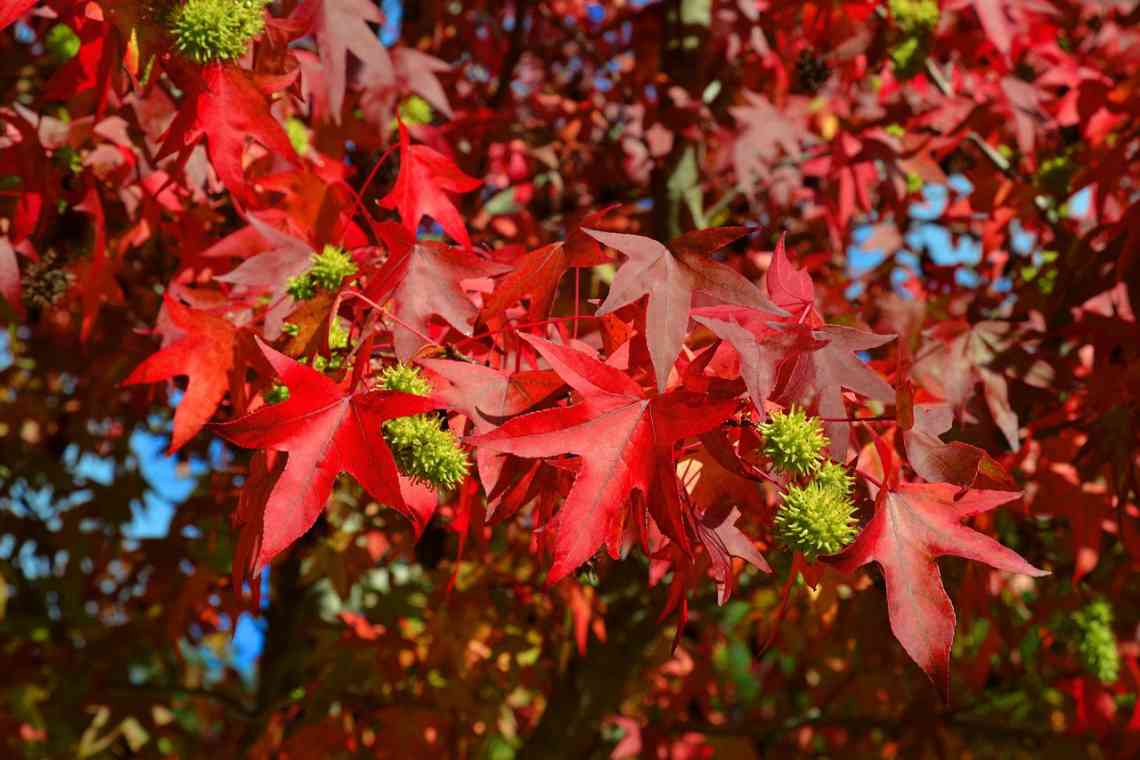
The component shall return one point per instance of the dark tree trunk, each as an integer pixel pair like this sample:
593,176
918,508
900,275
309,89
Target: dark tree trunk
592,686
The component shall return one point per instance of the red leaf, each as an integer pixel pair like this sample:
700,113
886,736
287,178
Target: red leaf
761,347
487,396
96,276
10,276
424,280
788,287
225,105
537,275
326,428
670,282
816,379
12,10
283,256
954,462
625,443
425,178
913,526
340,26
205,355
484,393
723,541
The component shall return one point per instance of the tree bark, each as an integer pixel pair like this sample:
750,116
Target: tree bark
593,685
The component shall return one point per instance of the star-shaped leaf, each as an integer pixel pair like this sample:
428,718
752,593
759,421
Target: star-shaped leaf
424,280
670,282
624,440
816,379
204,354
914,524
341,26
788,287
226,105
760,344
426,177
487,396
326,428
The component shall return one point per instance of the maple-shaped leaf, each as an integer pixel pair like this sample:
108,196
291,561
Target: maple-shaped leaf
954,462
761,346
788,287
670,282
914,524
625,444
423,280
341,26
487,396
536,275
204,354
766,135
723,541
426,177
280,256
326,428
226,105
958,357
816,379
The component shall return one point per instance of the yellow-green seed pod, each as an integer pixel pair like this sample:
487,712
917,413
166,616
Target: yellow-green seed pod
815,520
793,441
422,448
215,30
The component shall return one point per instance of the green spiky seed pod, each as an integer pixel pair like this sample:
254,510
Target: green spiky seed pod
423,450
330,267
815,520
406,379
415,110
331,364
215,30
793,441
1096,643
301,287
62,43
835,478
915,20
915,17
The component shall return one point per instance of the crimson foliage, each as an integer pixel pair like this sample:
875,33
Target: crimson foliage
595,245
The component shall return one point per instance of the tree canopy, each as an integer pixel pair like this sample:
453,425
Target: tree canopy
557,378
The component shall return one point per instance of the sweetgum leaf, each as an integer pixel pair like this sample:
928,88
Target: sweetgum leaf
424,280
816,379
225,105
670,282
788,287
914,524
426,177
624,440
326,428
204,354
341,26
